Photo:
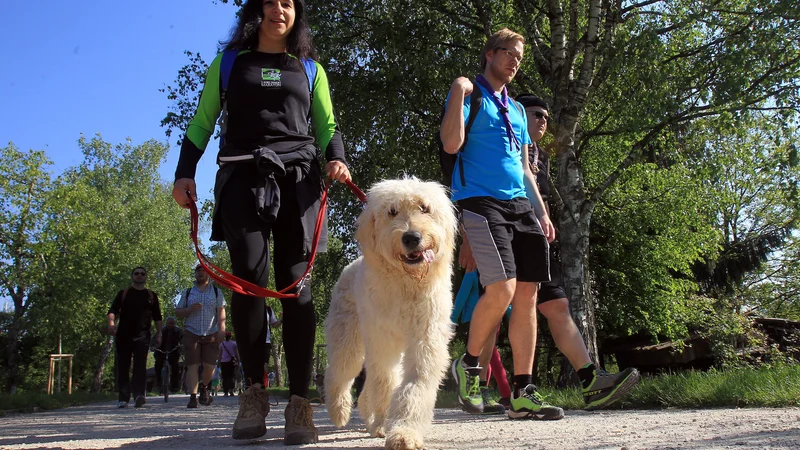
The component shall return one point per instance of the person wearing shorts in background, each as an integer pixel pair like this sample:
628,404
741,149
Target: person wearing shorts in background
203,306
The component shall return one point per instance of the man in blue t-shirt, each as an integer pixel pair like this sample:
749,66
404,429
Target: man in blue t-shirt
505,225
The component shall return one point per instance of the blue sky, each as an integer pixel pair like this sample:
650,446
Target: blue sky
91,66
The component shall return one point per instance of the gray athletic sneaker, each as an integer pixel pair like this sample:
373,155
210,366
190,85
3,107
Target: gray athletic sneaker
606,388
489,405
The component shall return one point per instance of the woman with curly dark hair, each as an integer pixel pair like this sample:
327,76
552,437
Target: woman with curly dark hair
269,184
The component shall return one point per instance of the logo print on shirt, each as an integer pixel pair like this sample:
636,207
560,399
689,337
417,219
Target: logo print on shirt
270,77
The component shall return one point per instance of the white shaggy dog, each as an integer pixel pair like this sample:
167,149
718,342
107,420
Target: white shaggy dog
390,310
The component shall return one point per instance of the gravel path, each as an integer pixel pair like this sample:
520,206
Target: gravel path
171,425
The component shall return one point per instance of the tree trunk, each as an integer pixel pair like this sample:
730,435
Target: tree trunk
12,357
577,281
277,351
567,377
97,383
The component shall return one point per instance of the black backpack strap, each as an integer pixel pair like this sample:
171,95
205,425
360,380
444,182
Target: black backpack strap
475,100
122,302
517,105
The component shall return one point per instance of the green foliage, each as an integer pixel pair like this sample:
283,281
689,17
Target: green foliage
646,239
33,401
97,221
24,182
773,386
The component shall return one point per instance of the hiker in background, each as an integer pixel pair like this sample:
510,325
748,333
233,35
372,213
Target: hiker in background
203,306
228,363
135,307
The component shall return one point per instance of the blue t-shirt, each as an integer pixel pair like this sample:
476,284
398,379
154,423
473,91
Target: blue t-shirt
492,167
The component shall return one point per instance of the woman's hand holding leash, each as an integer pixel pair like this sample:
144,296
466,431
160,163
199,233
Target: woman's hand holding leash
179,191
337,171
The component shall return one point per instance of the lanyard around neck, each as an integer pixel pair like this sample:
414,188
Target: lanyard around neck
502,105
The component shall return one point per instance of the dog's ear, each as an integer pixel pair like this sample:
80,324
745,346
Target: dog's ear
365,234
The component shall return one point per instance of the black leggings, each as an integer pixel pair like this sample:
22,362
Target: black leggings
248,239
228,375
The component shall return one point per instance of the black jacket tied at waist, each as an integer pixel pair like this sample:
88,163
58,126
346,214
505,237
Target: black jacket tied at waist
298,172
268,194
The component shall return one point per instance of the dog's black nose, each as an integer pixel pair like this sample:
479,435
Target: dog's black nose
411,239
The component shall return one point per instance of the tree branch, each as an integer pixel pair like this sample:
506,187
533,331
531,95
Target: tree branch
580,91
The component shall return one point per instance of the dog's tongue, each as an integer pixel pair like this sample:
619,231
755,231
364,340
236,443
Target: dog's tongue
428,255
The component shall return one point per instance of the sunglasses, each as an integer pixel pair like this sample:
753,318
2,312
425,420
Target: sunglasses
540,115
136,274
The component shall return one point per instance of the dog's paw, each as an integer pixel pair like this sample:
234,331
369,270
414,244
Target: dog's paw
404,438
376,429
339,414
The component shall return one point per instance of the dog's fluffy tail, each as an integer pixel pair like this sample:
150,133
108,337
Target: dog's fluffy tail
345,347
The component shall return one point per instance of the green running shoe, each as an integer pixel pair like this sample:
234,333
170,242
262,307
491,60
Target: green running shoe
469,393
606,388
531,405
489,405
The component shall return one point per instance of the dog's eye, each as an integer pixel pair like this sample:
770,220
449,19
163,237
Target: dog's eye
425,209
392,212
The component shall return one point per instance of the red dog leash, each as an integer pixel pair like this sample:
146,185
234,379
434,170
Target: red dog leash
241,286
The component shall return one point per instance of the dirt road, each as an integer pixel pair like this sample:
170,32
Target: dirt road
171,425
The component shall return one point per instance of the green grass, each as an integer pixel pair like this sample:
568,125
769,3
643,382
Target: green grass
777,386
31,401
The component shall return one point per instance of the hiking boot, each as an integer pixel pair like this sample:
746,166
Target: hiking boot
606,388
489,405
469,393
253,408
140,401
299,428
505,401
192,402
205,399
122,404
531,405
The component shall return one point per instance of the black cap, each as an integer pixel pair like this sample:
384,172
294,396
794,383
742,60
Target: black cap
528,100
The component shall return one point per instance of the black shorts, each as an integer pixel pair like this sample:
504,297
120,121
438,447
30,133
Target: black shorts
553,289
506,239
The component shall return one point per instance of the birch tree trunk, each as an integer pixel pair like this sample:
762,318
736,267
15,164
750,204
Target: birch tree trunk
97,381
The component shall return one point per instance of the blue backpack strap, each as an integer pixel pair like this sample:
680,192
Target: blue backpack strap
225,67
311,72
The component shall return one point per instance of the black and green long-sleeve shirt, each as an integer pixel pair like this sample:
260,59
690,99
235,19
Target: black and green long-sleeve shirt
268,105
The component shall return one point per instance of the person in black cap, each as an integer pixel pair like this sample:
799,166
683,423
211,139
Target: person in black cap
600,388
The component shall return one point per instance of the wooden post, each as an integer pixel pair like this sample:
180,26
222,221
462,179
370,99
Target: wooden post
69,377
50,377
51,374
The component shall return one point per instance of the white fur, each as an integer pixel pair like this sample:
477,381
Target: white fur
393,316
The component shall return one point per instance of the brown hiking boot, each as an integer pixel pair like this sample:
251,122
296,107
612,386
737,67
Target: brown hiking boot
299,423
253,408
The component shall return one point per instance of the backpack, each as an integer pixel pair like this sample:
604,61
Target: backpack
225,67
122,301
448,161
216,293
